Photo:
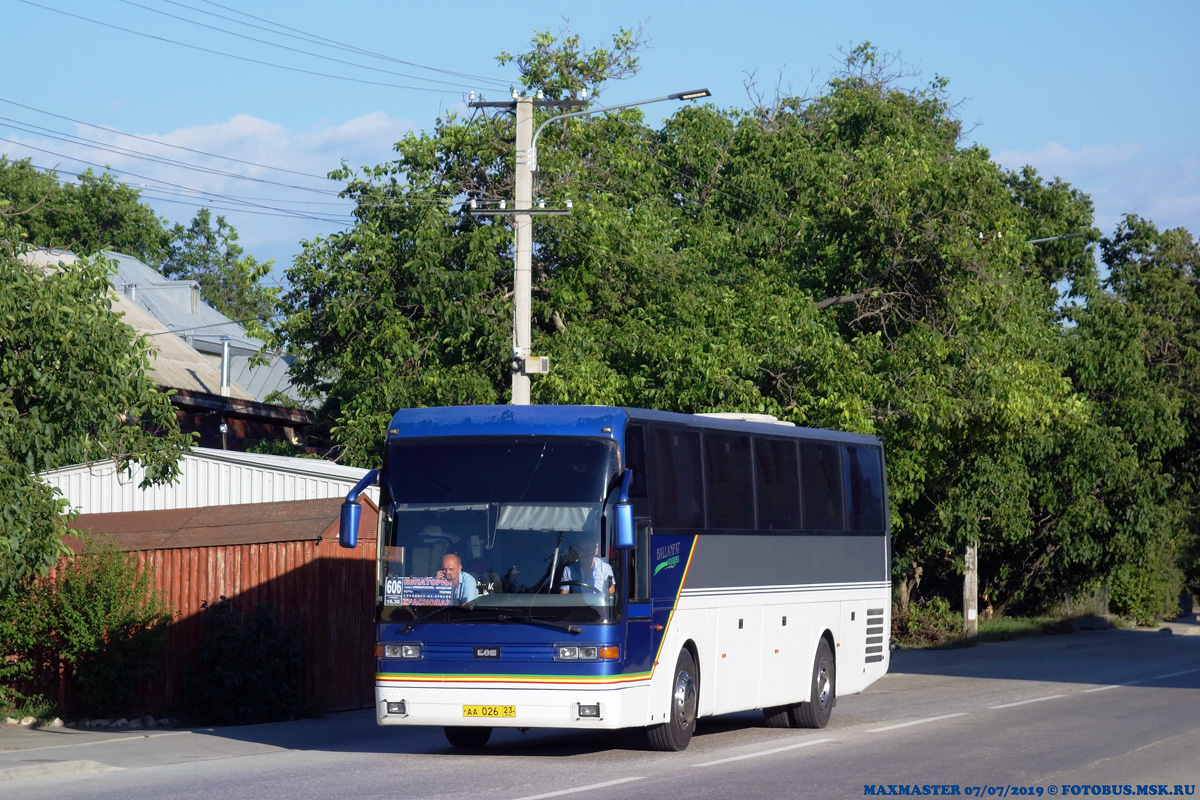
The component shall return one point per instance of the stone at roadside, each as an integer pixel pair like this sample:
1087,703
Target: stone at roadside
121,723
148,722
28,720
11,721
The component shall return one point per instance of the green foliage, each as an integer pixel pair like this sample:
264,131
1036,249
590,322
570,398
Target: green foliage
230,280
98,617
841,261
95,214
927,622
249,669
74,387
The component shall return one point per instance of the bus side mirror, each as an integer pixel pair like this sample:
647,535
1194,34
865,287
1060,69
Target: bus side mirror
348,532
625,531
352,511
625,538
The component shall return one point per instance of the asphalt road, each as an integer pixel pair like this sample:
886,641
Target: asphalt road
1080,711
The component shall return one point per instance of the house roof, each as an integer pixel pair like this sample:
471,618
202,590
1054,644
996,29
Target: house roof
177,305
175,365
213,526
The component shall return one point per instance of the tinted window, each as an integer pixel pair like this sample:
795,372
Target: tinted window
822,486
678,495
728,482
635,459
777,480
488,470
864,481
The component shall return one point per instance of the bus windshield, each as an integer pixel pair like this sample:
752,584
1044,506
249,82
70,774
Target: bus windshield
519,523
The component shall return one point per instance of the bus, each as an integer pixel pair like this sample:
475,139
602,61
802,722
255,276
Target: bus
598,567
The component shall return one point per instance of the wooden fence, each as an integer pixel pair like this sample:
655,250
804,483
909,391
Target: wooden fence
283,554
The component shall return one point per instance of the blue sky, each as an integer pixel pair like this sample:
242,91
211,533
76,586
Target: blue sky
1105,95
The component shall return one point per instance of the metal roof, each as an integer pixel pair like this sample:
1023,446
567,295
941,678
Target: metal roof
253,523
207,477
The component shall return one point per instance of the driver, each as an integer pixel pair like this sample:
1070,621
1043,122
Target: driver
590,569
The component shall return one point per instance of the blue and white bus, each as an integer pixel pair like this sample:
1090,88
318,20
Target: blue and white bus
623,568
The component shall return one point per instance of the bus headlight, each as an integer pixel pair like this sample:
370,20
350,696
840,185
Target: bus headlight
586,652
409,651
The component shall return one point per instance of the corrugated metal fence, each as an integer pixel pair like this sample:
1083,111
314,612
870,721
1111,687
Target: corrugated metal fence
283,554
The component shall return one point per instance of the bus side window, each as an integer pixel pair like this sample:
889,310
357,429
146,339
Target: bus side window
821,475
639,583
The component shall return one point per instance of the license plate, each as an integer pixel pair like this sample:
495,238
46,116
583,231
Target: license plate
489,711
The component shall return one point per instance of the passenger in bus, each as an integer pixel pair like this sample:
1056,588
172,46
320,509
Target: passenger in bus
465,588
590,569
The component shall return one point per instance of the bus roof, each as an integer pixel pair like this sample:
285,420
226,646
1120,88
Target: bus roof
555,420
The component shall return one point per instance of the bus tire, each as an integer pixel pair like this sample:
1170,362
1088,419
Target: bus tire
675,734
467,738
822,692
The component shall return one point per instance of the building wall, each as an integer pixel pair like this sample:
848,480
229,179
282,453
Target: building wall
208,478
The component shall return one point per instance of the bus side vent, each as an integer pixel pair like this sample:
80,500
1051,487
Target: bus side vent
874,635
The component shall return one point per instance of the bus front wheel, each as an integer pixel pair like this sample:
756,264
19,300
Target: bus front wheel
676,732
467,738
821,694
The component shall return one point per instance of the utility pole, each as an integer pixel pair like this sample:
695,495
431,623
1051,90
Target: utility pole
524,363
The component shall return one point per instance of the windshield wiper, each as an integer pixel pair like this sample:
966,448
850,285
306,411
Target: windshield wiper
549,623
465,606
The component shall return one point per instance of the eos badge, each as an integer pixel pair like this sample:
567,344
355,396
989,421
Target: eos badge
487,652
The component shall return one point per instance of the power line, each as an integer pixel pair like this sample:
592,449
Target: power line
289,212
286,47
231,55
163,144
93,144
340,45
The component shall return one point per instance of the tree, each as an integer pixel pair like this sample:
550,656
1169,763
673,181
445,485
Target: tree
839,261
95,214
230,280
73,388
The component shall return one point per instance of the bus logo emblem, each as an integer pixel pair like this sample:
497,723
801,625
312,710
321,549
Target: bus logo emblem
487,652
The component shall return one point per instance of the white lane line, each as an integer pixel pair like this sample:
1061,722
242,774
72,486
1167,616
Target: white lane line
580,789
916,722
1027,702
763,753
136,737
1110,686
1143,680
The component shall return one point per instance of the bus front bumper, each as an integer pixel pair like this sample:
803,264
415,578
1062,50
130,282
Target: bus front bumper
512,706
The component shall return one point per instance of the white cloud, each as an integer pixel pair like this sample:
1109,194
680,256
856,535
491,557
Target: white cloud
1053,158
271,208
1122,179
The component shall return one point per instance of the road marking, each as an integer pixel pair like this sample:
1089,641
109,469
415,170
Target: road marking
916,722
137,737
763,753
1027,702
580,789
1142,680
1110,686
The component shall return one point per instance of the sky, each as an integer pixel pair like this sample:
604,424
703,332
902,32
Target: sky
1105,95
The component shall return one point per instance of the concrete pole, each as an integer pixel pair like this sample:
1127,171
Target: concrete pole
971,589
523,232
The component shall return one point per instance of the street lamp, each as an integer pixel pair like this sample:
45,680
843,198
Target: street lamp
523,364
695,94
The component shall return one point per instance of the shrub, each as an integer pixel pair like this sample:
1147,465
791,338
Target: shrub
927,622
249,670
107,624
98,617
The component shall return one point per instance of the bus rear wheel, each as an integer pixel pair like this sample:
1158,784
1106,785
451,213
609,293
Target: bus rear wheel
676,732
821,694
467,738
